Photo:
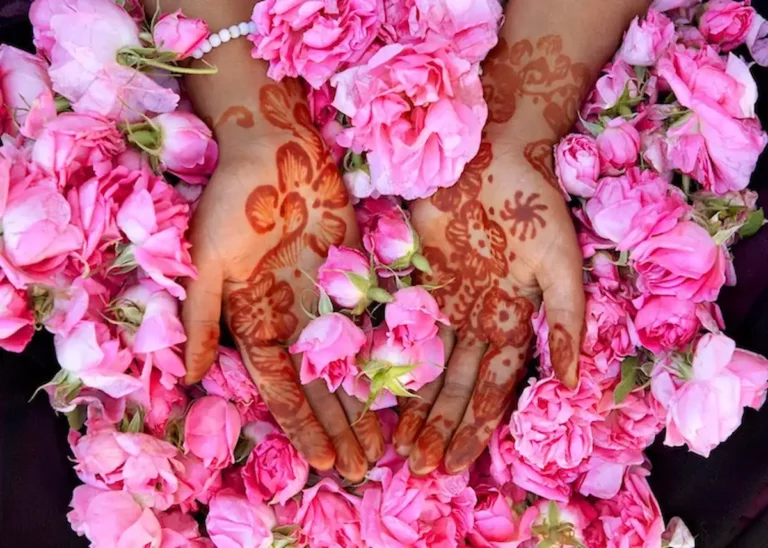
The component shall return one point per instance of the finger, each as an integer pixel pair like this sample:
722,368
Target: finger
449,407
366,427
350,458
278,384
200,315
415,410
500,370
561,281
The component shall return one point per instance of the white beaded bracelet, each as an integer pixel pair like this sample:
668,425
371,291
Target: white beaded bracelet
223,36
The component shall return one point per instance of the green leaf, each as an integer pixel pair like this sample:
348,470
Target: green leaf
243,449
136,426
379,295
421,263
361,283
723,236
754,222
76,417
325,306
628,380
553,513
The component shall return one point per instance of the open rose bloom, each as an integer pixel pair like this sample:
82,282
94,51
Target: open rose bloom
102,162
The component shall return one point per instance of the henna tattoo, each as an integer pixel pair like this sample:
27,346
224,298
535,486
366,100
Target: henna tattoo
506,320
208,348
261,312
469,184
242,116
369,435
432,443
561,347
479,242
524,215
540,156
412,417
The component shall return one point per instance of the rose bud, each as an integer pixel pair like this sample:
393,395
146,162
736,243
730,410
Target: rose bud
177,33
346,277
394,244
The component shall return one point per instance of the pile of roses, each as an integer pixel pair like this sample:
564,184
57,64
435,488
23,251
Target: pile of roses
102,164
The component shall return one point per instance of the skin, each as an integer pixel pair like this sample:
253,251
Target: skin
501,238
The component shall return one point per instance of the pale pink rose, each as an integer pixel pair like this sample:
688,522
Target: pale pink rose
313,40
726,23
211,430
16,322
402,510
577,165
647,39
41,112
180,530
419,132
413,315
703,400
575,516
112,518
187,147
630,208
178,33
229,379
497,525
508,465
275,471
346,277
553,424
669,5
329,345
154,218
684,262
199,482
330,516
677,535
23,78
40,13
603,478
162,405
632,518
756,40
358,183
63,302
610,332
235,522
91,353
390,239
618,78
330,132
752,370
738,69
666,323
87,36
618,145
103,411
137,463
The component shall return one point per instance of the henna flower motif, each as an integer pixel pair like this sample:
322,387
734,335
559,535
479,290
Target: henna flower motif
478,242
261,312
506,320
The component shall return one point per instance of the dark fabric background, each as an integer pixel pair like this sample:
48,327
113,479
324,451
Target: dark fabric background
712,495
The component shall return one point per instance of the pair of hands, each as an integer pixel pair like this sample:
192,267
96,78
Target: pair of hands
501,239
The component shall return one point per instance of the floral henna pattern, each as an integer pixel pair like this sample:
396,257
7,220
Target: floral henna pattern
478,242
469,184
242,116
506,320
524,216
561,348
261,312
540,156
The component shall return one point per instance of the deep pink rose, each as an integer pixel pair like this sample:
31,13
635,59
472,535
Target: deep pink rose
112,518
726,23
390,238
577,165
200,482
313,40
634,206
140,464
684,262
413,315
211,430
666,323
610,331
346,277
187,148
23,78
618,145
618,78
321,104
497,525
275,471
229,379
181,531
647,39
178,33
632,518
233,521
418,111
329,344
16,322
162,405
329,516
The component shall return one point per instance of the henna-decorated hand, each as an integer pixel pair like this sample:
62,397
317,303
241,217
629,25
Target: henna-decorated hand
498,241
268,217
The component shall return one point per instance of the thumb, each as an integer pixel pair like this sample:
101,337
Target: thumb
200,315
562,283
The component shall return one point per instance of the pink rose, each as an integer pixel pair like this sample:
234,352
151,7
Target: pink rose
413,315
390,239
618,145
419,132
162,405
358,183
187,147
577,165
677,535
346,277
16,322
330,516
234,521
330,132
497,525
229,379
112,518
757,40
669,5
181,531
553,425
320,102
211,430
23,78
178,33
573,519
275,471
646,40
632,518
634,206
316,40
618,78
370,210
329,345
726,23
401,510
610,332
200,482
752,370
684,262
666,323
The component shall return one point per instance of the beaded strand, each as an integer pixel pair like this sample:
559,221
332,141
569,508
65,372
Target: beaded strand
223,36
